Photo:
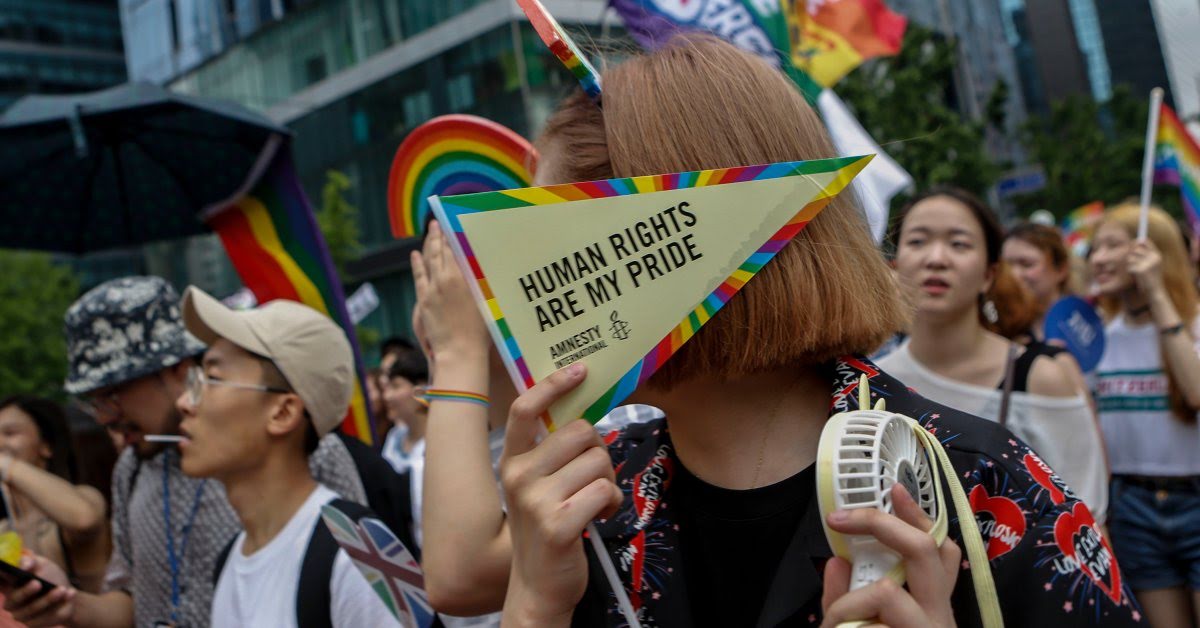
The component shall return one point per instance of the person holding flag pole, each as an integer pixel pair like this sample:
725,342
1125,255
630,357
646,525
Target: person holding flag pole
1148,381
709,514
713,520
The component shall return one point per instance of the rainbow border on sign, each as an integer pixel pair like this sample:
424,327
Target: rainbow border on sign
454,206
563,47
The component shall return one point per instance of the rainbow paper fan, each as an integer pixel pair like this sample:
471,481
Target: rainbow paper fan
563,47
449,155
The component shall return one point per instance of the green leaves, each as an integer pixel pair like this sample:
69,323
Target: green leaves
34,295
338,221
1090,152
904,102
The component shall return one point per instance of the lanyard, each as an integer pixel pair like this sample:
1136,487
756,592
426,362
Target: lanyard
172,558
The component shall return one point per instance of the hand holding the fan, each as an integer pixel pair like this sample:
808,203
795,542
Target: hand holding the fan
554,489
931,570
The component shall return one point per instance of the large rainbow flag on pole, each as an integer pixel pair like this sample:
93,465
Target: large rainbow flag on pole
271,236
1177,162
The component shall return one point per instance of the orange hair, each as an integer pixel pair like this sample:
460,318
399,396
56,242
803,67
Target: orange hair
701,103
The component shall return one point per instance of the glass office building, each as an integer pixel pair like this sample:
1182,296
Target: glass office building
62,47
985,59
58,47
352,78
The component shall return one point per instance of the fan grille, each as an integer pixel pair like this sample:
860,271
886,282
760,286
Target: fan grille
875,452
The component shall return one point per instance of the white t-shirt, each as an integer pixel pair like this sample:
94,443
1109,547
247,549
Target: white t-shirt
416,471
260,589
1144,437
1061,430
393,448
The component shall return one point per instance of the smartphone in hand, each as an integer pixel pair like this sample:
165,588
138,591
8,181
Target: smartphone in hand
13,577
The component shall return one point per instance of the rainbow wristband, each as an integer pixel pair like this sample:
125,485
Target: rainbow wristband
429,395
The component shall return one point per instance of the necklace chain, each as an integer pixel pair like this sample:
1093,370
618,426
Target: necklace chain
762,447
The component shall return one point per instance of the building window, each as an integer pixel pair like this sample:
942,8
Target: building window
418,108
460,92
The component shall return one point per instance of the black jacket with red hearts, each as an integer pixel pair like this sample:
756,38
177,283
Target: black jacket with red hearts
1050,565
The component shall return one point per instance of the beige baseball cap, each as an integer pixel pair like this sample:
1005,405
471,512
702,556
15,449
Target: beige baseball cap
308,348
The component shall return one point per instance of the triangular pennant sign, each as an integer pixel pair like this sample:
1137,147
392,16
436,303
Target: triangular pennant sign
620,273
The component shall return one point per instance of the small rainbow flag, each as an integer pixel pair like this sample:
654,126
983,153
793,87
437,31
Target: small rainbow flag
1177,162
272,238
1078,225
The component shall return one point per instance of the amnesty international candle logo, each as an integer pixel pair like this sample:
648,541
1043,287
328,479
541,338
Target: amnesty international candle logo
620,328
620,273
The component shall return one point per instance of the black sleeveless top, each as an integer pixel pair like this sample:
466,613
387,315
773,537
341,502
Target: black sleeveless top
1024,363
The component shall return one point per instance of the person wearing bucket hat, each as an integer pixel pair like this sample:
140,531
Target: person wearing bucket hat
273,381
124,339
128,359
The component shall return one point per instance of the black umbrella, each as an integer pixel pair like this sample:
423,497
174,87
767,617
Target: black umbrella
123,166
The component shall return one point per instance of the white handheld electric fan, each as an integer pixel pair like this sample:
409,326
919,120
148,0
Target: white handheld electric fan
862,456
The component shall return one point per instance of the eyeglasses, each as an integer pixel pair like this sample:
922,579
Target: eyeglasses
197,380
101,406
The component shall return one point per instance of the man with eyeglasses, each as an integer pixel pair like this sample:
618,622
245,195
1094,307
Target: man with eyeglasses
128,359
273,381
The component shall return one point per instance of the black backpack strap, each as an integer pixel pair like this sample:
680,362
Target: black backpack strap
313,601
223,558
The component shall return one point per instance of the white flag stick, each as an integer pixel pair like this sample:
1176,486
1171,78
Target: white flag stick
606,562
1156,98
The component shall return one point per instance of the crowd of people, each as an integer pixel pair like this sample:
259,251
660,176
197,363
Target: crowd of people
703,487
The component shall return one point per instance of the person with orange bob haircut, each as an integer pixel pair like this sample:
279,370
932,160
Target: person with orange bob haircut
710,514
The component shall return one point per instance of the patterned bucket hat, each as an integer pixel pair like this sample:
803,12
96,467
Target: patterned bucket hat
122,330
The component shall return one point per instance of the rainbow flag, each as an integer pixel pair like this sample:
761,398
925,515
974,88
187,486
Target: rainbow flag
1077,227
272,238
831,38
1177,162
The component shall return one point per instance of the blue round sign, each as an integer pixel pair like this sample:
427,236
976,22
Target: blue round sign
1076,324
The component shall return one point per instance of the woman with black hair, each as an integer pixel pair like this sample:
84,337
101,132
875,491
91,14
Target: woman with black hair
55,517
969,308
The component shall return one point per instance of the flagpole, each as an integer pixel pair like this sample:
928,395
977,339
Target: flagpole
1156,98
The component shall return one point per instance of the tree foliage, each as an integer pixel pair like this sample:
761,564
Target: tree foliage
338,221
904,102
34,295
1090,152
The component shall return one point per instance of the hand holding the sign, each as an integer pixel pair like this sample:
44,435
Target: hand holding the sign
449,320
1145,264
554,488
931,570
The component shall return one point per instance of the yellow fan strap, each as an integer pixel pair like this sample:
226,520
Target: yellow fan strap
981,569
